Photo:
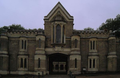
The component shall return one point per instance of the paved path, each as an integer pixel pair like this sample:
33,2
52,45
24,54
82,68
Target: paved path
56,76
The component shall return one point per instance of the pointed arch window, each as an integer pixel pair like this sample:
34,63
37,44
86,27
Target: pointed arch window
22,44
38,62
76,41
58,34
63,34
0,45
39,43
25,44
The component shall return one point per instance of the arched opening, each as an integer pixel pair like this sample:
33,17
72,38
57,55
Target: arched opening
58,63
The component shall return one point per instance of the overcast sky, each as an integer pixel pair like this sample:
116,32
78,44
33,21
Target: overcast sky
30,13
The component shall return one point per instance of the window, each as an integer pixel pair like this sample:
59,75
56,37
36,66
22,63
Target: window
75,63
23,44
38,62
0,46
58,34
53,34
39,43
23,62
63,34
92,63
92,45
76,41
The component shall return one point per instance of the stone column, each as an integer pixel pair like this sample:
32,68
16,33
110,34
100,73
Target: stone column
4,57
54,33
61,33
112,57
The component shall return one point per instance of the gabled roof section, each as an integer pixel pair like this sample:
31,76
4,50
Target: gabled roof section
58,5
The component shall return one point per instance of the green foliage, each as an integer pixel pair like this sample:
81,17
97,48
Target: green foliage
111,24
11,28
14,27
88,28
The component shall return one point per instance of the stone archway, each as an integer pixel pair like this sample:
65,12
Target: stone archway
58,63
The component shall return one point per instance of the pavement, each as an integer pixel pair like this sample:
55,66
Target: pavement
47,76
56,76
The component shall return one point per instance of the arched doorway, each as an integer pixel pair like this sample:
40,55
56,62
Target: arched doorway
58,63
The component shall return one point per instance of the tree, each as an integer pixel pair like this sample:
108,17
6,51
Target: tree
11,28
112,24
88,28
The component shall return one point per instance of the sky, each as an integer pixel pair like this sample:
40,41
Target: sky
30,13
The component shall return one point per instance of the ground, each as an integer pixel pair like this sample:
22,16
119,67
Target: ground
67,76
100,76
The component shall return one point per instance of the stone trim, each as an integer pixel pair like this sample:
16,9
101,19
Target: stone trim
28,72
58,5
112,38
73,57
4,55
4,52
4,72
42,57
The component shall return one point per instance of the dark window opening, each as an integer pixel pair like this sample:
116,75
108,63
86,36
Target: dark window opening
91,45
0,46
93,63
38,62
22,44
63,34
75,63
76,41
25,44
56,67
58,34
39,43
90,63
53,33
21,63
25,63
61,67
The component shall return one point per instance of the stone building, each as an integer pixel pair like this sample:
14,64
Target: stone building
58,48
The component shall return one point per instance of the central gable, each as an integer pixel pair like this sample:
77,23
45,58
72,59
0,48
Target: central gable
58,12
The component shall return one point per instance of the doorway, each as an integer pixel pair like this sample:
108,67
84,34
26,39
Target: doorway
58,63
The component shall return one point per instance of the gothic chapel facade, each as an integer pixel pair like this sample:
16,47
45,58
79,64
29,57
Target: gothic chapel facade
58,48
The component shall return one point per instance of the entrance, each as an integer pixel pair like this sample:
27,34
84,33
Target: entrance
58,63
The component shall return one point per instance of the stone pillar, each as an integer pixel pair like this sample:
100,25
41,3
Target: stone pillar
4,57
54,33
112,57
72,64
61,33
